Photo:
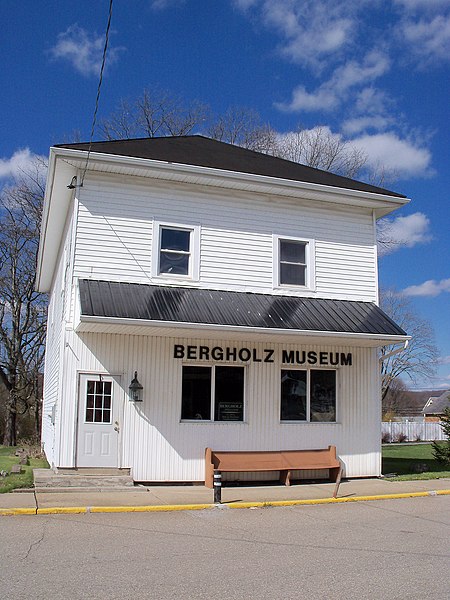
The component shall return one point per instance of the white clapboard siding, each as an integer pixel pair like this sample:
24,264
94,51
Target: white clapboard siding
158,447
58,313
114,236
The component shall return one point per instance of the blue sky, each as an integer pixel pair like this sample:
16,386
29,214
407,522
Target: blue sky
375,72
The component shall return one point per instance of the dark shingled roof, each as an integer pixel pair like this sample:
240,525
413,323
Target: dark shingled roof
205,152
238,309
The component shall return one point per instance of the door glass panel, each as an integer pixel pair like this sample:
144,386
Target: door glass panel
98,396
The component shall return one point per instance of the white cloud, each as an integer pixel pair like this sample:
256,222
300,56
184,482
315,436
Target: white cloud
414,5
371,100
399,155
163,4
353,73
83,50
428,40
312,30
334,91
428,288
402,232
245,4
360,124
20,163
444,360
441,383
323,98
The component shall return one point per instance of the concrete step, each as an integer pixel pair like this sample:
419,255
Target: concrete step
82,478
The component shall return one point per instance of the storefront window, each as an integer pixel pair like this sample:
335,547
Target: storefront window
293,395
308,395
323,396
217,391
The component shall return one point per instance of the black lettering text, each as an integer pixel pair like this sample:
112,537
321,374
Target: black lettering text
178,351
244,354
231,354
192,352
346,359
217,353
334,361
323,357
255,356
268,353
312,357
203,353
300,357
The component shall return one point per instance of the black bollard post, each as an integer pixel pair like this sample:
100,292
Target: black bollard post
217,487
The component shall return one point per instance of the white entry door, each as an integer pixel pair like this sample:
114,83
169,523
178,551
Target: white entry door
98,422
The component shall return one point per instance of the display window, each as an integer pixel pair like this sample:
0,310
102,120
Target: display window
308,395
213,393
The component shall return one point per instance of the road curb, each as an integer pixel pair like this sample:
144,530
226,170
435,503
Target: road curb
65,510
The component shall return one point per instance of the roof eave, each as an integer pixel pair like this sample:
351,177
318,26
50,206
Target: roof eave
54,214
381,204
89,323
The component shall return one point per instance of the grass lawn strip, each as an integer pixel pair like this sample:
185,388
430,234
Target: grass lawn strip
412,462
22,480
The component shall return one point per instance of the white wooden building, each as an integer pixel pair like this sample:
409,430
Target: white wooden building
240,290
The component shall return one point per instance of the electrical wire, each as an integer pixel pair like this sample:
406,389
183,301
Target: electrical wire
94,119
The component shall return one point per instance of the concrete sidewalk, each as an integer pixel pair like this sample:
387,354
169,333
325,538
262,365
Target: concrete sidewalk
142,498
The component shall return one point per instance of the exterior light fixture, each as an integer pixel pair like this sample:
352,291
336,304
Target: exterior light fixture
135,389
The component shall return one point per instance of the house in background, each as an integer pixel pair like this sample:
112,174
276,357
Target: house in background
435,406
204,295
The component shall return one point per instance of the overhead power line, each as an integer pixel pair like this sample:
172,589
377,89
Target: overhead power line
99,87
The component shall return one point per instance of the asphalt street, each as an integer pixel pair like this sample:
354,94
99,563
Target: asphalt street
383,549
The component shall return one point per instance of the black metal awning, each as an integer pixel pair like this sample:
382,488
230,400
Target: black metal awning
188,306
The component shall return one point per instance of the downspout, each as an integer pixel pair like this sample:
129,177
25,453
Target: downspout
396,351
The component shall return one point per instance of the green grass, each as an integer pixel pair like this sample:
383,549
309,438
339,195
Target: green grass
406,459
25,479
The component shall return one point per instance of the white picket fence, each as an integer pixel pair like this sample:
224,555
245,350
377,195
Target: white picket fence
414,432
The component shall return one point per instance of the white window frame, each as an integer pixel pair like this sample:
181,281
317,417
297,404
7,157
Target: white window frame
310,261
213,366
194,251
308,421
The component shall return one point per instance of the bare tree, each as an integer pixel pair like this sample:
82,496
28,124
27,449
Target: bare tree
155,113
22,309
394,399
159,113
321,149
418,360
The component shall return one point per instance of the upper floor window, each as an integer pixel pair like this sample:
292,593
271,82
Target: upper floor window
294,262
176,251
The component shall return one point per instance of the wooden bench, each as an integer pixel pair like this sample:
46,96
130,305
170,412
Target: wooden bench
284,461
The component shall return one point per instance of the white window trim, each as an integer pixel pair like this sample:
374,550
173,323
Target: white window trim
308,399
213,366
194,258
310,252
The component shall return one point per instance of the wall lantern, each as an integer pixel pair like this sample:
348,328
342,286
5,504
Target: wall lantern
135,389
